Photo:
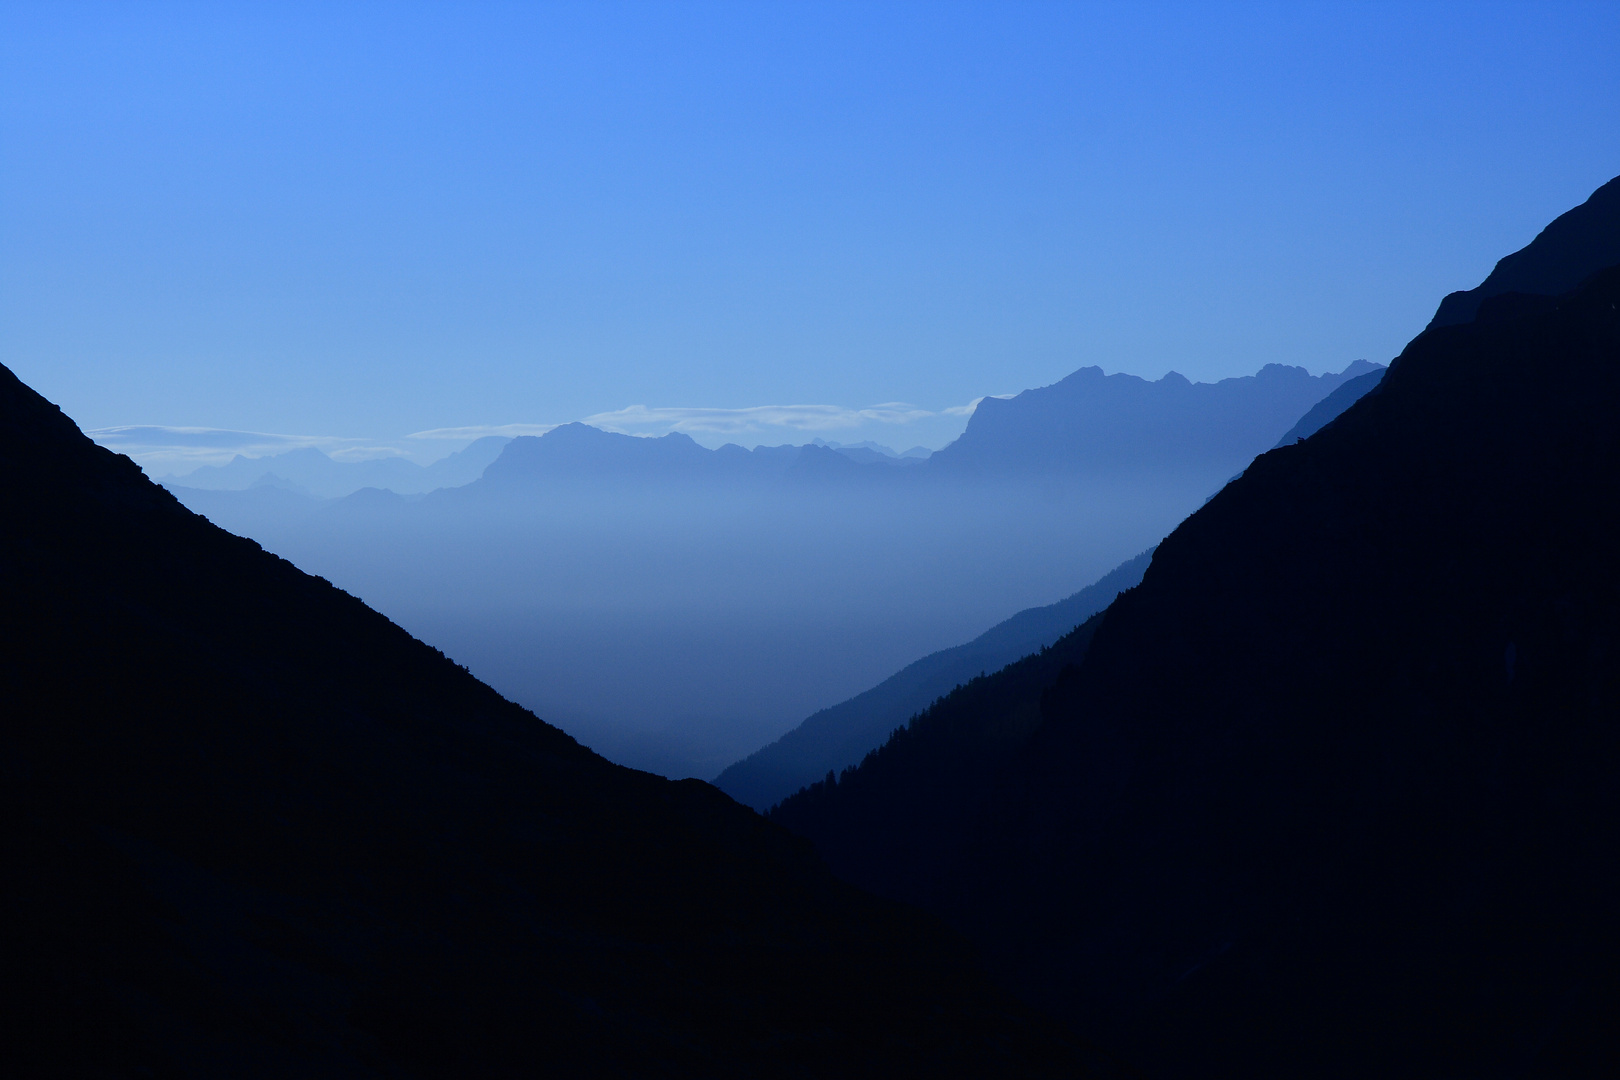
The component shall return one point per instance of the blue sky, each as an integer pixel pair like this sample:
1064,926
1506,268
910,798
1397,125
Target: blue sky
357,223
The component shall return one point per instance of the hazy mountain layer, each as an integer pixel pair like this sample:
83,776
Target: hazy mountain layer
842,735
254,829
1095,424
314,473
1327,410
1331,793
678,608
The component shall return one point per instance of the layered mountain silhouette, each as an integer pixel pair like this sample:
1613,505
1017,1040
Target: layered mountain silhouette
1096,424
309,470
252,828
1575,246
1332,791
754,588
1086,424
579,454
843,734
1327,410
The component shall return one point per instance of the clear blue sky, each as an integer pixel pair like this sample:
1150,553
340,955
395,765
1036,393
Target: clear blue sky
371,220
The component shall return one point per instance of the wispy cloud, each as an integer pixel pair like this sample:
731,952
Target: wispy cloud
467,434
202,438
162,449
759,419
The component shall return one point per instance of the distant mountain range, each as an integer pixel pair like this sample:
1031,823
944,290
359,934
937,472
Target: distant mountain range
581,454
252,828
1086,423
1332,791
756,587
1327,410
310,472
1121,425
314,473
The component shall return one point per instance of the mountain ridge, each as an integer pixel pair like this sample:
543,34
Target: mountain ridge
1089,421
841,735
1326,793
254,828
322,476
1574,246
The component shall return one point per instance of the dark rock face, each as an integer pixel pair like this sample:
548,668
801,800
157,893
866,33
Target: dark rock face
1574,247
252,828
1332,790
1336,790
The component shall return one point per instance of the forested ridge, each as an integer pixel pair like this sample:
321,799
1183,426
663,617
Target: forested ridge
895,821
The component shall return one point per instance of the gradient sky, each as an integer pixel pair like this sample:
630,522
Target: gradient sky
366,221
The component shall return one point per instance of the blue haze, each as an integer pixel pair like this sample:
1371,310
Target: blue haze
677,607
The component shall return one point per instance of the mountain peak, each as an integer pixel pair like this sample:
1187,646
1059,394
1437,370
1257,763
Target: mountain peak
1576,245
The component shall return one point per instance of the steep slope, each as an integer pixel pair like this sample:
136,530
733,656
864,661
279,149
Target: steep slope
1334,788
1333,791
251,828
900,822
1575,246
843,734
1327,410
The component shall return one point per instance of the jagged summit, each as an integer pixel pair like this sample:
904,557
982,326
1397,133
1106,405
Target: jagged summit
1089,423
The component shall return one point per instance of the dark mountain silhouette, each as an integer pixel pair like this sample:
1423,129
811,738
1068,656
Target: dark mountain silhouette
842,735
252,828
1091,423
1332,792
1574,247
900,822
1327,410
312,471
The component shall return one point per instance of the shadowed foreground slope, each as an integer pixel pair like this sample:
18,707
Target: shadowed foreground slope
839,736
250,827
1336,790
1576,245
